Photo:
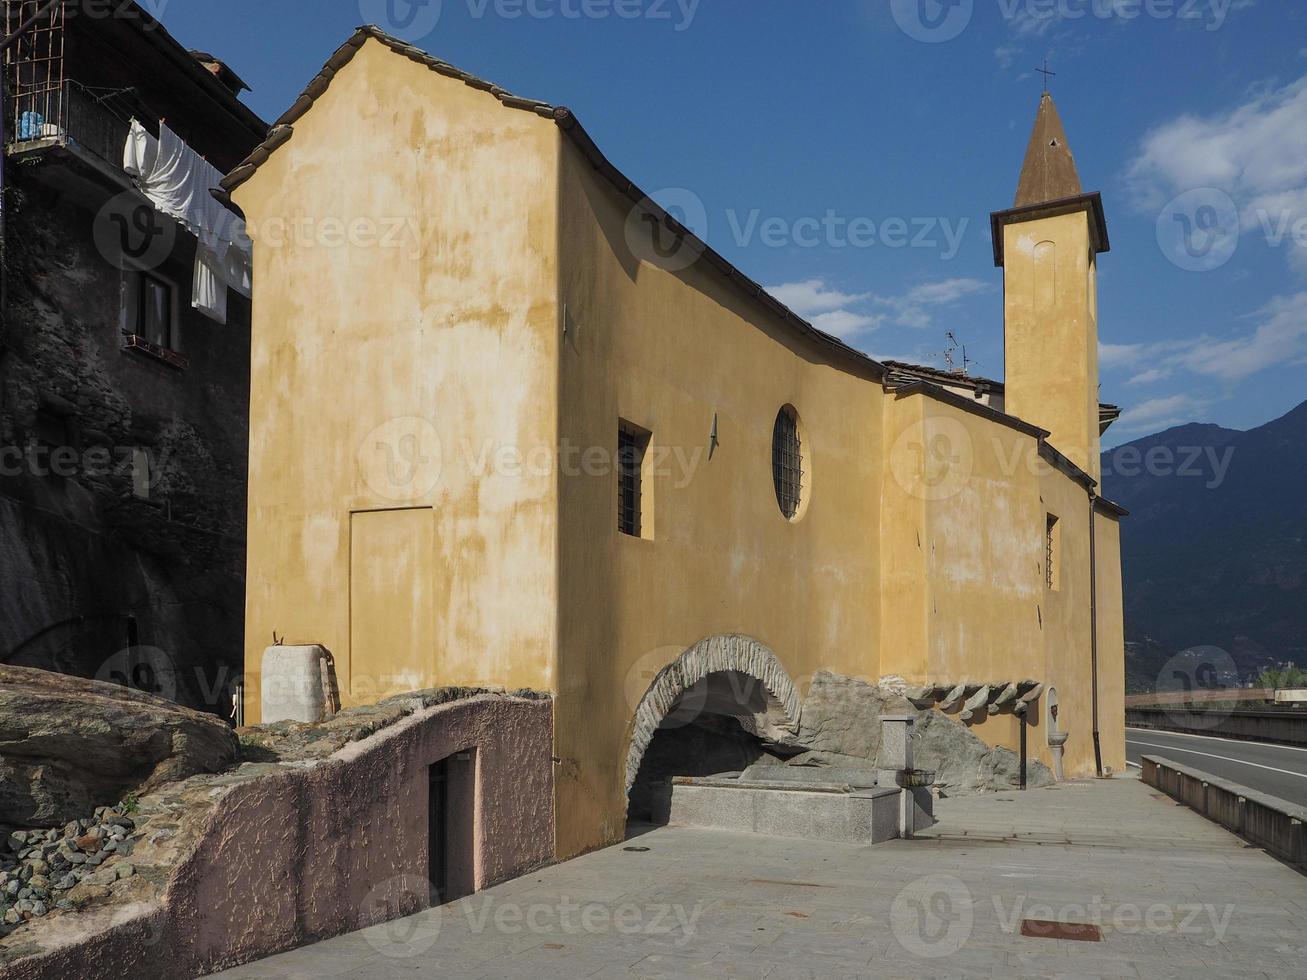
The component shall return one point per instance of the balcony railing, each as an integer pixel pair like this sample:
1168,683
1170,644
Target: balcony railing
72,115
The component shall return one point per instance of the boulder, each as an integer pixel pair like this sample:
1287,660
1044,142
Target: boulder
840,726
964,764
68,745
841,715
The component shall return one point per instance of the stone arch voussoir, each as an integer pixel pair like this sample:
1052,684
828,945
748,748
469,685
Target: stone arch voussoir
716,654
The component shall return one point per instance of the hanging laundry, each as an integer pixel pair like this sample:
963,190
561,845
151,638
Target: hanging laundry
209,292
177,180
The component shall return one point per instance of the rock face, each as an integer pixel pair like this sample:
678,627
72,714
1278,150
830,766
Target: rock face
86,562
841,715
840,725
964,764
68,745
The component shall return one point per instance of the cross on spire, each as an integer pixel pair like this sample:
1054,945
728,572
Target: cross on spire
1046,73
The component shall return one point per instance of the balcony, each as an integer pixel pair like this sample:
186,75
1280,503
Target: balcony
87,122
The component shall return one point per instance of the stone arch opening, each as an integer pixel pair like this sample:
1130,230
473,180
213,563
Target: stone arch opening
722,705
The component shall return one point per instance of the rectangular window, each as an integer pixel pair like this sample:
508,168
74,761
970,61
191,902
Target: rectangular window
632,442
154,320
1052,559
141,473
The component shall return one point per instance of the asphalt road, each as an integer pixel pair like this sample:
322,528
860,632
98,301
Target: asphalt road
1279,770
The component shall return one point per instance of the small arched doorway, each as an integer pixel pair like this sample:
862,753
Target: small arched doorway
722,705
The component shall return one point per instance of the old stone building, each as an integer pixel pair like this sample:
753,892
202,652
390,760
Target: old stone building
124,408
519,427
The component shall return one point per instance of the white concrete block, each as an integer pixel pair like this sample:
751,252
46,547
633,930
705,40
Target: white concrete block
292,684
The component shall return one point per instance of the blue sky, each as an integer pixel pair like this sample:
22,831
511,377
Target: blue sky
848,155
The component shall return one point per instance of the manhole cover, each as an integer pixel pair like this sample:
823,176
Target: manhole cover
1045,929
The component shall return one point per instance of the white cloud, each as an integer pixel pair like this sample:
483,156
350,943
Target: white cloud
1149,376
1006,55
944,291
811,297
1132,357
1031,20
850,315
1255,152
845,323
916,307
1280,339
1118,355
1159,413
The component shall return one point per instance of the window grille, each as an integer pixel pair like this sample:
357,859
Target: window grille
630,456
787,462
1050,549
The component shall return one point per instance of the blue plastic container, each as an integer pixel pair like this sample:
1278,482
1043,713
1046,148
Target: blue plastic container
31,125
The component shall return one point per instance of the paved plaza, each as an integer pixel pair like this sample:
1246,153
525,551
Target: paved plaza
1174,896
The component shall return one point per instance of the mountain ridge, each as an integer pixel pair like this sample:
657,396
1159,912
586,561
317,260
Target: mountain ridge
1214,551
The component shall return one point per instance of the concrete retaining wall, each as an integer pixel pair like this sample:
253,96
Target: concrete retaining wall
1267,821
1286,726
305,854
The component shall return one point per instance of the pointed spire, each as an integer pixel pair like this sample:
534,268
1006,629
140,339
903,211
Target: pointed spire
1049,173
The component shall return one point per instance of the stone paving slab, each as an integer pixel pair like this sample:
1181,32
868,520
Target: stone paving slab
1175,895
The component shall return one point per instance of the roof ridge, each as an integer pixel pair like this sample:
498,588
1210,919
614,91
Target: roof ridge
283,129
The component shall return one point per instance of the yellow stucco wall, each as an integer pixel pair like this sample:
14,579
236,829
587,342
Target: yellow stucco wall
668,350
1111,642
404,348
965,594
1064,612
433,490
1050,348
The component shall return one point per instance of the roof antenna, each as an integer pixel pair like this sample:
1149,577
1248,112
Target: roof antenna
950,355
1047,74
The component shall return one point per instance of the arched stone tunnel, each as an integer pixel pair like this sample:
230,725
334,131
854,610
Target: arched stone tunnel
722,705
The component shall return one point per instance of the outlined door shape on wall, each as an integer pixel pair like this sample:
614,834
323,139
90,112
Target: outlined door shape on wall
391,616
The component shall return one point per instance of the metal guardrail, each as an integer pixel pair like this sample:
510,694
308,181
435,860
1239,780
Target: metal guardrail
1234,694
1267,821
1281,725
70,115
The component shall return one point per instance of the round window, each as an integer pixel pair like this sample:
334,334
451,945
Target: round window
787,462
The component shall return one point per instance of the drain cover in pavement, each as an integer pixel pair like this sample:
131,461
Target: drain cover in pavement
1044,929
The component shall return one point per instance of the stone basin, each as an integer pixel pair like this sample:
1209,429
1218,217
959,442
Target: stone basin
915,778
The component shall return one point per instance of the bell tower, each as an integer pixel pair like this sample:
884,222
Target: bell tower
1048,245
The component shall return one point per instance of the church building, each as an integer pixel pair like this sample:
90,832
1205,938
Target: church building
512,424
